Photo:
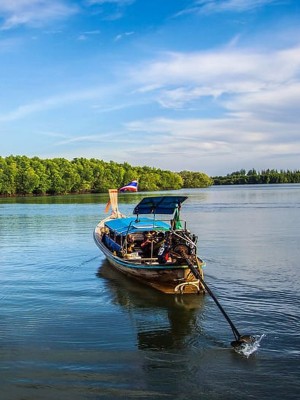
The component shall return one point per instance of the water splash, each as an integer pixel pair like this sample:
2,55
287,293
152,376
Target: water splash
246,349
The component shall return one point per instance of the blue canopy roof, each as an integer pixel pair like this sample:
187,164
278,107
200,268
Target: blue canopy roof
159,205
122,226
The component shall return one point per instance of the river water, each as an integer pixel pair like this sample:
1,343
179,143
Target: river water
72,329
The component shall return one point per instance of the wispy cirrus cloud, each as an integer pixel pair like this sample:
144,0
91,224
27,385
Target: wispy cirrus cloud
52,102
35,13
84,139
123,35
179,78
219,6
117,2
110,10
88,34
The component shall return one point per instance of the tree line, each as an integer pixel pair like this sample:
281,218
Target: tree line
21,175
258,177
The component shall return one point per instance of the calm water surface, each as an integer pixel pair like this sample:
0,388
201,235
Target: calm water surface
71,328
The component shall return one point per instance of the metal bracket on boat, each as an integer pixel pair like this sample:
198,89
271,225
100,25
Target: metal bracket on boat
181,287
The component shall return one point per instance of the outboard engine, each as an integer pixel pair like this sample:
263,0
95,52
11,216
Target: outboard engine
176,244
186,241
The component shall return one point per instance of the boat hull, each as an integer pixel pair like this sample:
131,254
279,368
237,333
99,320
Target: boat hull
169,279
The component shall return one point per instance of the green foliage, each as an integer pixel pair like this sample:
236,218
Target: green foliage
20,175
195,179
8,173
254,177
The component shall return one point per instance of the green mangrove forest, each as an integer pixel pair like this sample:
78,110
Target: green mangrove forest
253,177
21,175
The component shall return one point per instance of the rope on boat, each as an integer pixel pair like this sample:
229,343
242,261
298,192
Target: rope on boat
180,288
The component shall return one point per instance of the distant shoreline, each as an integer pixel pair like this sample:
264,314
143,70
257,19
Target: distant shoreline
5,196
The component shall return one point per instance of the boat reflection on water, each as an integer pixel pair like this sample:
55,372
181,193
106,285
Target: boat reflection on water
162,321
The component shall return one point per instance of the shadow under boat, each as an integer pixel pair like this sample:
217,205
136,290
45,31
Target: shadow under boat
180,313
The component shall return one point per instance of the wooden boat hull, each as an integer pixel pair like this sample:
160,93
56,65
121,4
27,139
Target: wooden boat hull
169,279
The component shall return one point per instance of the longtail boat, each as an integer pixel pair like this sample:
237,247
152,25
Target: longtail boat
159,252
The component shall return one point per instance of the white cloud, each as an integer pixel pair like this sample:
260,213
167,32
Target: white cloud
83,139
118,2
278,103
226,130
240,81
240,68
179,97
55,101
88,34
218,6
111,10
33,12
235,141
122,35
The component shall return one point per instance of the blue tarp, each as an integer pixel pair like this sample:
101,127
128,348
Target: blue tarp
122,226
111,244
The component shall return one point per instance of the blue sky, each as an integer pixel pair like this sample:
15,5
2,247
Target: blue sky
201,85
